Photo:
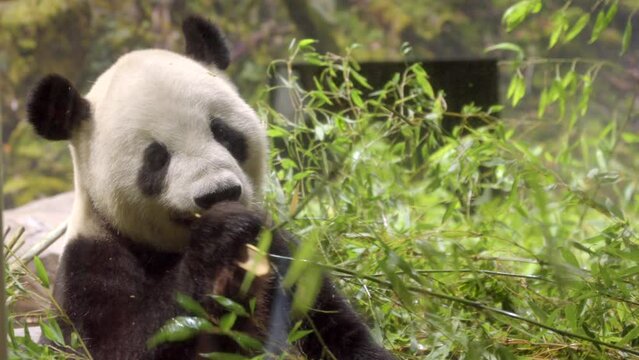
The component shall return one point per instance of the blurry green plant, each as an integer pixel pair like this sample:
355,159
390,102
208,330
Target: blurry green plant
480,243
24,152
32,285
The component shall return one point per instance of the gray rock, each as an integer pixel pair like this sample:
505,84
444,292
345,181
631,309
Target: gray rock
38,218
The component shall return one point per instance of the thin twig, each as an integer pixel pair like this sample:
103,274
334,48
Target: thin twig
487,272
555,61
11,244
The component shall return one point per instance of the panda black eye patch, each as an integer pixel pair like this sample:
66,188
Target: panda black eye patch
155,165
230,138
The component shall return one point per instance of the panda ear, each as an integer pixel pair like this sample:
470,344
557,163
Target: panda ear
55,108
205,42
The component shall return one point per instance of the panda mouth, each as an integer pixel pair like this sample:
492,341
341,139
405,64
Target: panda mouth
184,218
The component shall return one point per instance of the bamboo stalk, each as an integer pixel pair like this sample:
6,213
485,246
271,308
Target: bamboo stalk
43,244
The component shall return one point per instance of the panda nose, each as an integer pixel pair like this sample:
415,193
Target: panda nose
231,193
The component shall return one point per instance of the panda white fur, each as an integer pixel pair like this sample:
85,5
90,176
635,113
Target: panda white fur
161,136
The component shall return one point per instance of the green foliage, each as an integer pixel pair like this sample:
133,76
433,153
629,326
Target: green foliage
518,245
21,324
517,13
41,272
25,152
179,329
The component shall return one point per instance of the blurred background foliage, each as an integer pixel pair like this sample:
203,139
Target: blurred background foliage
80,39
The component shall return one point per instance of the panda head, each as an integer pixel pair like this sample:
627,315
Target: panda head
160,136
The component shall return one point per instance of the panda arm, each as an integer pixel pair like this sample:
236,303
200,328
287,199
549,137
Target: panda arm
218,242
114,302
338,327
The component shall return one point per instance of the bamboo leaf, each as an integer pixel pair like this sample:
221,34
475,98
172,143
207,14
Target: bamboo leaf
230,305
188,304
227,321
630,336
577,28
560,24
603,20
41,272
516,89
517,13
507,46
179,329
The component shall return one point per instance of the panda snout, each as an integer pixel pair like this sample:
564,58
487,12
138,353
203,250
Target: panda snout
229,193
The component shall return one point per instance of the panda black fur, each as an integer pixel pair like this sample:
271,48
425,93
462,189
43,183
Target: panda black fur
158,137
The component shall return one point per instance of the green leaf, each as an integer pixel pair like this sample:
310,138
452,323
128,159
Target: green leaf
179,329
559,25
360,79
569,257
307,288
584,100
230,305
227,321
495,109
612,11
422,79
321,96
600,25
296,334
577,28
389,266
306,251
450,210
571,316
304,43
245,341
630,138
627,36
516,14
252,304
276,131
516,89
569,82
544,101
507,46
357,99
52,331
41,272
603,20
188,304
537,310
287,163
630,336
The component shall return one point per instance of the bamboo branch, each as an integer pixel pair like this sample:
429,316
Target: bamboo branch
43,244
470,303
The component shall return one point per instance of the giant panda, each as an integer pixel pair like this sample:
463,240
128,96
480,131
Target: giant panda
159,137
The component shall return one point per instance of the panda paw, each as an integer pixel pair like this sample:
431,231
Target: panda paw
222,232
